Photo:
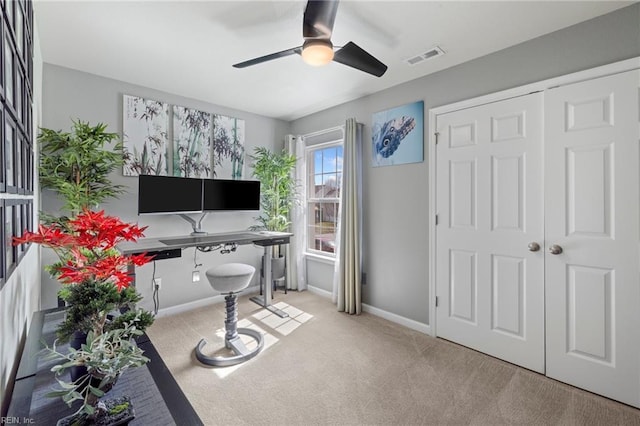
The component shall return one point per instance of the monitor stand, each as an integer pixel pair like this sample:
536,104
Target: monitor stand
196,226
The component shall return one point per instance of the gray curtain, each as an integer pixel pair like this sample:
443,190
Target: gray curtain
348,266
294,250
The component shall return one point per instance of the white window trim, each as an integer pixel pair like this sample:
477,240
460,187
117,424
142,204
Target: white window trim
308,253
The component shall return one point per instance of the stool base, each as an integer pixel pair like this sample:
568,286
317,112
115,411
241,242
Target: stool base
242,354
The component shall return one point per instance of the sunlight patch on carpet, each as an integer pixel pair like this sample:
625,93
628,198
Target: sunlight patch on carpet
284,326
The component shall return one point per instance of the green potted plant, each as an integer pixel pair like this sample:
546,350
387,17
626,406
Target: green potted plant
101,303
77,164
106,357
278,195
278,188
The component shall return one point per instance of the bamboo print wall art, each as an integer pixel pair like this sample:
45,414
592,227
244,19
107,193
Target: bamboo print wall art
145,136
228,147
191,143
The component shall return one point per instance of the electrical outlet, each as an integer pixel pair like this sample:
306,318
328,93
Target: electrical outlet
157,283
195,276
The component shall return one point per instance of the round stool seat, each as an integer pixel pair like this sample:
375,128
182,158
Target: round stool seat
230,277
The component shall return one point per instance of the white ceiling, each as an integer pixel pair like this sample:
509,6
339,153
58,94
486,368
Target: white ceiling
188,47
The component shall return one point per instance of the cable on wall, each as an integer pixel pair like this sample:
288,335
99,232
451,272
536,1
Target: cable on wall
156,296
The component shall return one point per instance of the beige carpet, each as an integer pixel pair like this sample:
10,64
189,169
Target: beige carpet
332,368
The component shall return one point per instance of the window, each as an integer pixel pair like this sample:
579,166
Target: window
324,178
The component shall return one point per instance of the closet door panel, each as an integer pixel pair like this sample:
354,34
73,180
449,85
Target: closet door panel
592,287
490,204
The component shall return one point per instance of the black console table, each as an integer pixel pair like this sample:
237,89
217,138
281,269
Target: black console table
157,399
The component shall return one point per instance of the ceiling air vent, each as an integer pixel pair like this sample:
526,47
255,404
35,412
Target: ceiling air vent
429,54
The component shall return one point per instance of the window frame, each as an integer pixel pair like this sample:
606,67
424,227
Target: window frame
310,174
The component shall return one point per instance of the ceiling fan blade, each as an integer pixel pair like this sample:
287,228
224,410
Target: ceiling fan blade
354,56
270,57
319,17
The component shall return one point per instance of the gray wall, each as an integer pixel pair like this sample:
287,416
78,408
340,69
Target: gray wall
396,198
70,94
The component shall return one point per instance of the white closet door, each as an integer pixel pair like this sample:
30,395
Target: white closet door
592,213
490,208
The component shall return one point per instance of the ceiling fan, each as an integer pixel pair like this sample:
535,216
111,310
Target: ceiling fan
317,48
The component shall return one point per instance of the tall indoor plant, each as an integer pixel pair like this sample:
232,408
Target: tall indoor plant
77,164
278,188
278,195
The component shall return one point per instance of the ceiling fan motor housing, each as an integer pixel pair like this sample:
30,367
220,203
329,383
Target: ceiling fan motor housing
317,52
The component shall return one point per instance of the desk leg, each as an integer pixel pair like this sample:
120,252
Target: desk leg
265,301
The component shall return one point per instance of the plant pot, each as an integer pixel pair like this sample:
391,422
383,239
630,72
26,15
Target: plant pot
277,268
106,417
278,272
77,340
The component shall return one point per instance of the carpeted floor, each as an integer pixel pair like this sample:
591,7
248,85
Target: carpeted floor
327,367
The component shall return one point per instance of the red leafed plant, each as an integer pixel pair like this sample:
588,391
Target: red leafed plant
92,270
86,245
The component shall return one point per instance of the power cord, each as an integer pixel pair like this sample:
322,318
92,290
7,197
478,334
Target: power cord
228,248
156,296
196,265
207,249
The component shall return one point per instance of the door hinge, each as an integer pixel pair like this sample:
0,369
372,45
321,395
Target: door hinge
437,301
436,135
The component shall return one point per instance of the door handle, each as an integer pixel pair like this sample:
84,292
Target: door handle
533,246
555,249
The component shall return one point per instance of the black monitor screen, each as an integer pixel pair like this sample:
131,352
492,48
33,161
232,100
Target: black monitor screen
220,194
168,194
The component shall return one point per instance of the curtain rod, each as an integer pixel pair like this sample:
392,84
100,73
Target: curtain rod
322,132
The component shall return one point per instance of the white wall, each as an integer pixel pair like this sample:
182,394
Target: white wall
20,295
396,198
73,94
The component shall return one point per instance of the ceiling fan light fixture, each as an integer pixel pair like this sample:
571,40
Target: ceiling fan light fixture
317,52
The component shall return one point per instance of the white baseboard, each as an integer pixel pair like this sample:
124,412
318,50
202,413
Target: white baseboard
409,323
178,309
319,291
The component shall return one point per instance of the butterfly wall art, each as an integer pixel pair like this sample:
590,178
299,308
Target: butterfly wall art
398,135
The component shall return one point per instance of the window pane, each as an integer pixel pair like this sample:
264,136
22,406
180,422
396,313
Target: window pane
317,161
318,191
330,185
324,170
322,226
329,160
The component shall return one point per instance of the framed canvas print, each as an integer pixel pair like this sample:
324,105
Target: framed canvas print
17,229
8,69
398,135
144,136
9,249
192,143
10,155
228,147
3,168
2,247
